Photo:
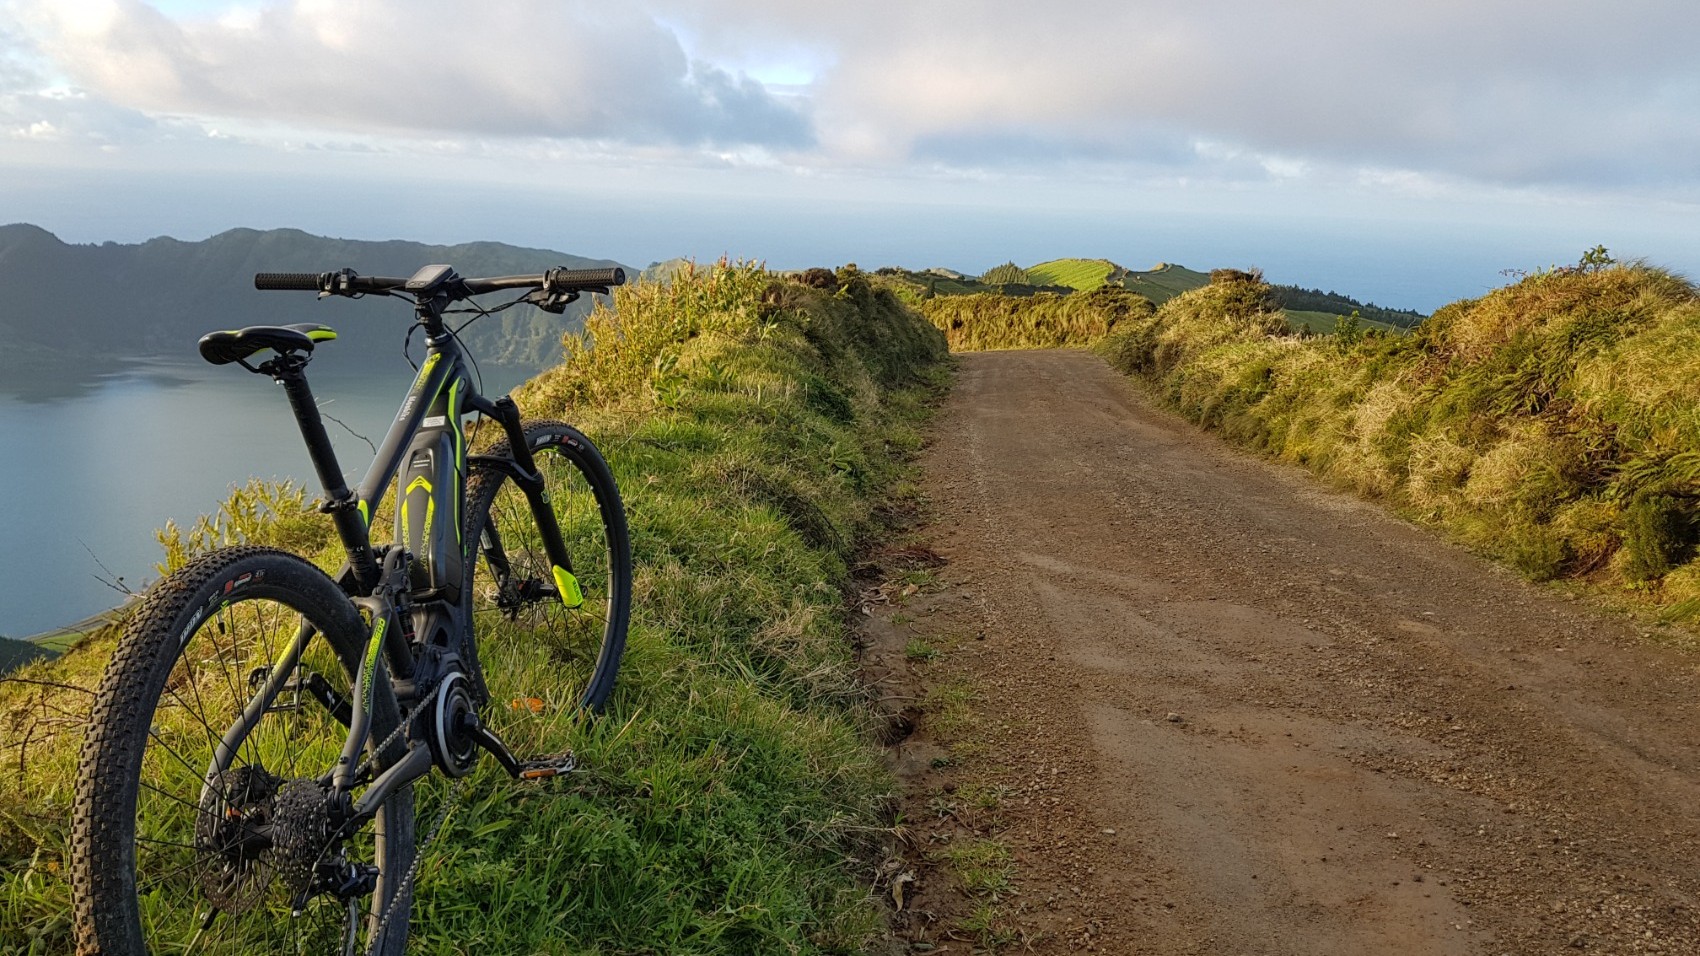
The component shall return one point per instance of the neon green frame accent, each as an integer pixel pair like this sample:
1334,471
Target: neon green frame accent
288,649
323,333
369,672
430,504
460,448
425,370
571,594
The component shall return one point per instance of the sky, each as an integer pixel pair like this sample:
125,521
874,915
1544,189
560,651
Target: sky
1407,154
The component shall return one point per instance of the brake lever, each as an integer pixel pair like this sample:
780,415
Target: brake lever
554,303
338,283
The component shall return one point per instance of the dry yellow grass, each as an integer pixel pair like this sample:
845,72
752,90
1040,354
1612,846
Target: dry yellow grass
1554,423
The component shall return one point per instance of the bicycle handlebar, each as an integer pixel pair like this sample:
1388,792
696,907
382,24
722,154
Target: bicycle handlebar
294,281
348,282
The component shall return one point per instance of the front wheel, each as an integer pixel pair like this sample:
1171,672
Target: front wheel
542,628
200,819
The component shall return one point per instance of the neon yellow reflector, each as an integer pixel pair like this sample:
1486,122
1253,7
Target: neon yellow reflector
571,594
321,334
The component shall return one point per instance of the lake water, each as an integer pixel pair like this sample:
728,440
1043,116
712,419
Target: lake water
95,460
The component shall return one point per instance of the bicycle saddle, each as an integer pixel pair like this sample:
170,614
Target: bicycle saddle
222,348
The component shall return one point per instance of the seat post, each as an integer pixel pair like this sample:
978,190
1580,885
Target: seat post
293,377
339,501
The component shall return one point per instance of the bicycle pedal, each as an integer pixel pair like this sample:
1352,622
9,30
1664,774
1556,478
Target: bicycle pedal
542,768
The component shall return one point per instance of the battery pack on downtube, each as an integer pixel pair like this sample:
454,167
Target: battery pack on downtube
432,485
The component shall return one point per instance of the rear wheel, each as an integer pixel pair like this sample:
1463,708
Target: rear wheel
542,629
200,822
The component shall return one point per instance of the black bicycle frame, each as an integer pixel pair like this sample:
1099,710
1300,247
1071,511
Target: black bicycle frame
424,454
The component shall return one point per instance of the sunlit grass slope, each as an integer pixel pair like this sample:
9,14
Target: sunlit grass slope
1554,423
731,800
1083,275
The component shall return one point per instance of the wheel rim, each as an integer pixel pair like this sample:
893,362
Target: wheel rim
209,786
534,650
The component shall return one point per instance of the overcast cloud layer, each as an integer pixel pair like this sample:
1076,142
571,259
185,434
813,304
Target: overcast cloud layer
1451,134
1502,92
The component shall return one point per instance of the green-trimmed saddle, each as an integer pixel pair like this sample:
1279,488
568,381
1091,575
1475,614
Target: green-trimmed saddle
222,348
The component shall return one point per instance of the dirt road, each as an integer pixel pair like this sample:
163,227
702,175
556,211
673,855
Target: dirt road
1224,710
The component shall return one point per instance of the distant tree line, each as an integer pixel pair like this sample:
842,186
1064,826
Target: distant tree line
1007,274
1315,300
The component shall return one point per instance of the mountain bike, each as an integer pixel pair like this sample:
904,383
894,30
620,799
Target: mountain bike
248,779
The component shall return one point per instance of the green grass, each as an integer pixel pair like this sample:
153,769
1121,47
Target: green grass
1320,323
984,867
919,650
1082,275
731,800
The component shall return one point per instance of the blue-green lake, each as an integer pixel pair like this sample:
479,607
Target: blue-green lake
95,460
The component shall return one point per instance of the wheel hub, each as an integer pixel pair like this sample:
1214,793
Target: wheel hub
454,750
232,835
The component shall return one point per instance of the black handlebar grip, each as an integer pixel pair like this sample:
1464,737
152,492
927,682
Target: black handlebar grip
288,281
567,280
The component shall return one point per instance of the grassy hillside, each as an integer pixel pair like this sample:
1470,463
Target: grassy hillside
992,320
1007,279
1164,282
1308,310
15,653
1082,275
1328,323
1298,301
973,323
1553,424
731,800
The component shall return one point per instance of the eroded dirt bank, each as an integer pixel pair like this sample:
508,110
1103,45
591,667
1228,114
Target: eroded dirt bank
1222,710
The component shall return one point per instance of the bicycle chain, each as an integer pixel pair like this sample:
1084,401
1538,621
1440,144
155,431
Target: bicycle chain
449,804
401,725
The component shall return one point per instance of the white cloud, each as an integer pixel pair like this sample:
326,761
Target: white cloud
1502,91
1412,98
40,130
527,68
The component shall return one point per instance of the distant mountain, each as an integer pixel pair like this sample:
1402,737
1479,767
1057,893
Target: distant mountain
1311,309
664,272
65,301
